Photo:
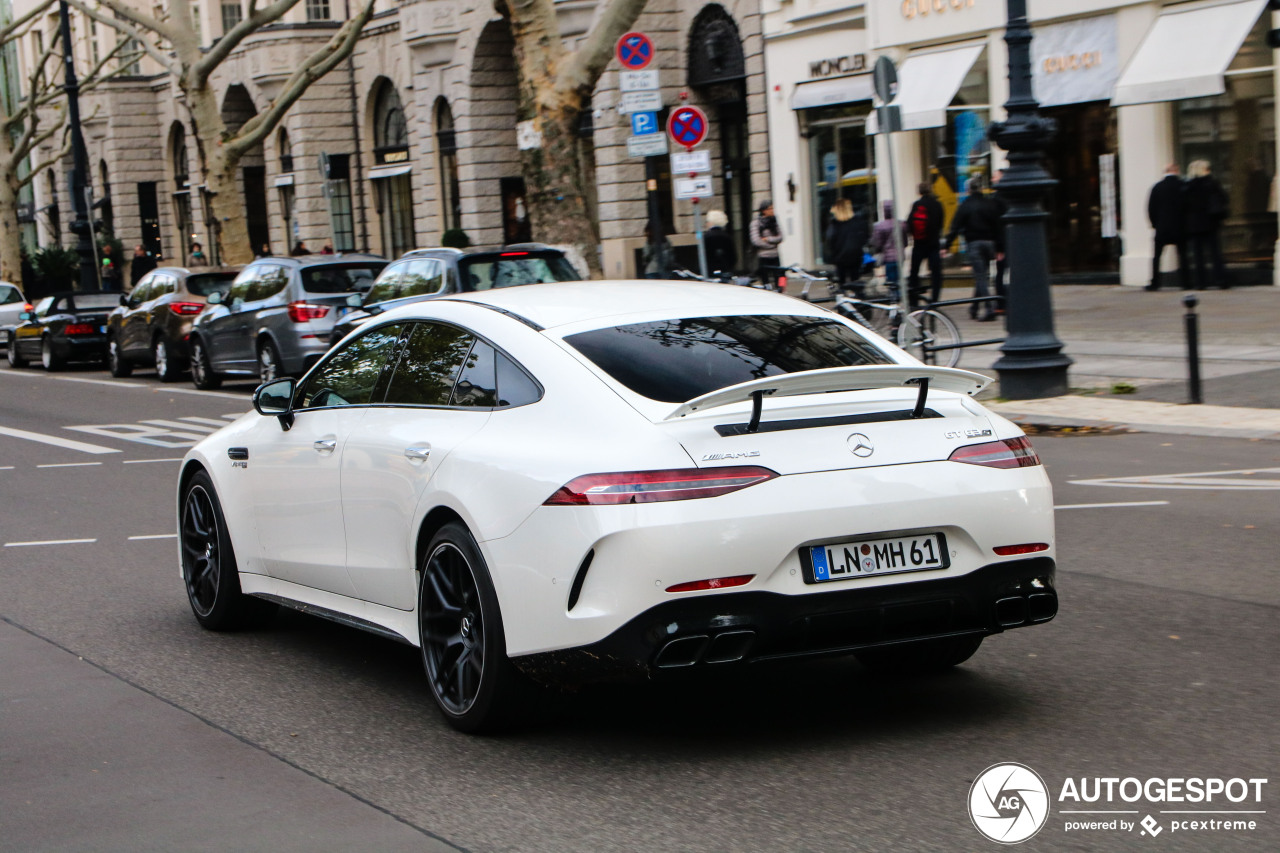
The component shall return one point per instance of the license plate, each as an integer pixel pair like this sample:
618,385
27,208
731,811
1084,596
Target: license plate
102,330
862,558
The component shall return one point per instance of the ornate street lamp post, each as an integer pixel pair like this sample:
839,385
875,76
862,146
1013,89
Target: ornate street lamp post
81,226
1033,364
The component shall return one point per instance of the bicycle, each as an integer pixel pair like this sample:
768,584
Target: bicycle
927,332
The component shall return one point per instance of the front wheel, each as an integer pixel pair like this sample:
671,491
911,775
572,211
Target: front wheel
15,357
460,628
919,657
48,357
202,374
119,366
930,336
209,564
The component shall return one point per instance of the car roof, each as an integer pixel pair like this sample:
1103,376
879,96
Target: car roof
184,271
571,303
322,260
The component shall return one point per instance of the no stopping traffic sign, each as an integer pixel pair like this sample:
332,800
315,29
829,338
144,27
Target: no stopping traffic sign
687,126
634,51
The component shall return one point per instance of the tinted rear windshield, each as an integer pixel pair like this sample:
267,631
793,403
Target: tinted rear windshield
340,278
674,361
485,272
203,285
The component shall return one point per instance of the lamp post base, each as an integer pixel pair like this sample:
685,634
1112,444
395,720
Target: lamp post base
1030,377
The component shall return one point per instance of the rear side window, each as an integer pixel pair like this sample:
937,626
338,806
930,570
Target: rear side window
429,365
9,295
486,272
91,302
340,278
348,376
674,361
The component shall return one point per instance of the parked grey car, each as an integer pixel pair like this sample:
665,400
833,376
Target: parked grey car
276,318
12,303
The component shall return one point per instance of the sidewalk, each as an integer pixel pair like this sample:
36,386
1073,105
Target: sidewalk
1129,354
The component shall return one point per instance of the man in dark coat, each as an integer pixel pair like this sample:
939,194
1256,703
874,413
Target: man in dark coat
141,264
978,219
924,224
844,244
1166,208
722,254
1207,207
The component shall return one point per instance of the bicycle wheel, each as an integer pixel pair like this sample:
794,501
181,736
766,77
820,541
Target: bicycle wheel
869,314
924,332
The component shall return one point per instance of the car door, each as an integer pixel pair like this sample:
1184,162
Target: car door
133,323
440,392
295,473
223,330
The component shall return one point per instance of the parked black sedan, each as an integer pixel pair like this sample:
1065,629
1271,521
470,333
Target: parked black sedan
63,327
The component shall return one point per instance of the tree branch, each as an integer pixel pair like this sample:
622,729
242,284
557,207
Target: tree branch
130,15
251,23
130,29
318,64
589,60
11,29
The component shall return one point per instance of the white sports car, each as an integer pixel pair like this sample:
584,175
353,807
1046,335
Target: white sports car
594,479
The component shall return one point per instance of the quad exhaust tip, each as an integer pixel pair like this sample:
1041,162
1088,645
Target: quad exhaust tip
726,647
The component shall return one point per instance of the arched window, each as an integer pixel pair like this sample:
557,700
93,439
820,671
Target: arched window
393,189
447,149
104,199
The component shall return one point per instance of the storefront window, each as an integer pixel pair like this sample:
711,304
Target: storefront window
842,157
1236,133
960,151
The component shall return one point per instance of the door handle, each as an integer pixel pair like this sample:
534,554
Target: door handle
418,453
325,445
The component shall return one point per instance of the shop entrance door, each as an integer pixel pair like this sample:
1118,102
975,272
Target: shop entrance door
1084,207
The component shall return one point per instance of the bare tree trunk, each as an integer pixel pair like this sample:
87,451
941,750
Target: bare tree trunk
556,186
10,231
229,231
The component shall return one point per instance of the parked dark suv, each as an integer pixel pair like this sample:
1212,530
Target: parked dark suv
432,273
276,319
153,323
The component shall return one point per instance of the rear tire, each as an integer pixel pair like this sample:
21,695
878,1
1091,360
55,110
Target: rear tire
166,370
209,568
15,358
50,359
919,657
119,366
202,375
460,631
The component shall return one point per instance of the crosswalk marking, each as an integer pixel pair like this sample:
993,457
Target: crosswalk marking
186,426
1247,479
64,443
69,465
49,542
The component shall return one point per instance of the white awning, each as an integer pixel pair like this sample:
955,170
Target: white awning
390,171
1186,52
826,93
928,82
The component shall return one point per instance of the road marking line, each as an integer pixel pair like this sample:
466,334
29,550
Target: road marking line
65,443
216,424
119,383
49,542
180,425
1203,480
69,465
145,461
1111,506
6,467
114,383
157,536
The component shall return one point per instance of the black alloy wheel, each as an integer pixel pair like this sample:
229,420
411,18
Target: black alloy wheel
119,366
209,563
460,628
15,357
166,370
202,375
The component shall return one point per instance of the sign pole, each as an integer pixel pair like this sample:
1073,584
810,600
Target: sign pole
885,78
655,229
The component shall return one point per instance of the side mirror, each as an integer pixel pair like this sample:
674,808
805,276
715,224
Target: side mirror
355,300
214,298
276,398
25,315
124,299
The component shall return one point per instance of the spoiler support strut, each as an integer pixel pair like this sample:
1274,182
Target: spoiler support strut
922,397
757,406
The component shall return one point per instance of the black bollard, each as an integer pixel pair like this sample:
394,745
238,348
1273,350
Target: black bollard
1193,347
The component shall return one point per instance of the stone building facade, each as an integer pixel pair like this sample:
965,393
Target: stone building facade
413,136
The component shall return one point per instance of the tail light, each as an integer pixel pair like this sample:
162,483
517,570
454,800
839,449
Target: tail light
1009,453
636,487
301,312
513,254
186,309
81,329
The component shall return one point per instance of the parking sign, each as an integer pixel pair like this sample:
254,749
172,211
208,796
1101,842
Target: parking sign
642,123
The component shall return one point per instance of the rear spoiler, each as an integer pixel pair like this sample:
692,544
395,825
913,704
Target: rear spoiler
833,379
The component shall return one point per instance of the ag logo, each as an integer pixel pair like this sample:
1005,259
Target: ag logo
1008,803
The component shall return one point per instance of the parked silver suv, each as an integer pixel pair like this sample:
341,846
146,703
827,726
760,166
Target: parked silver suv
276,319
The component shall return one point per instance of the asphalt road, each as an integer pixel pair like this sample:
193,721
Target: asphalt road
306,735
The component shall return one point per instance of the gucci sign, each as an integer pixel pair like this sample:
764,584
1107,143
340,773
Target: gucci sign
1072,62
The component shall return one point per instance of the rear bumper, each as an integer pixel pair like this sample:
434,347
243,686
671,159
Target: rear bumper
763,626
81,347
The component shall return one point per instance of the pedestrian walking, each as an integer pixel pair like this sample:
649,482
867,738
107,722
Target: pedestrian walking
1207,207
924,222
883,244
978,221
300,249
1002,255
722,254
765,236
111,279
197,255
141,264
1167,211
844,244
